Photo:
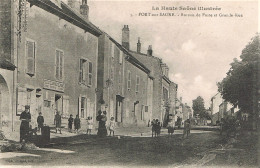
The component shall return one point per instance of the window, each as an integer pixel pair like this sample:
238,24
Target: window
137,84
119,80
144,86
59,64
129,80
90,69
165,94
82,107
82,71
30,56
146,108
120,57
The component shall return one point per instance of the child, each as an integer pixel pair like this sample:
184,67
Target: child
90,125
112,126
77,123
70,120
40,121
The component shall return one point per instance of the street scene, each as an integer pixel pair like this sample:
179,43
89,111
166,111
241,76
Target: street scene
129,83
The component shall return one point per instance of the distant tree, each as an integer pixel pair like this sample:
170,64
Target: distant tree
238,86
199,108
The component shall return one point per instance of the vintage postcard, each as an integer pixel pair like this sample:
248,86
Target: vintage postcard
130,83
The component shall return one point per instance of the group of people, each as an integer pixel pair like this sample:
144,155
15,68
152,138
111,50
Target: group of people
102,125
156,127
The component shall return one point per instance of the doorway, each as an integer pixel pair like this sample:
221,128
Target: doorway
119,105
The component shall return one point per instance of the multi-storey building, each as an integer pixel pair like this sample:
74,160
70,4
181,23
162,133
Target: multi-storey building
164,90
124,84
55,52
220,109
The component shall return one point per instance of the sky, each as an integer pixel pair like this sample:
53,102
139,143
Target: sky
198,50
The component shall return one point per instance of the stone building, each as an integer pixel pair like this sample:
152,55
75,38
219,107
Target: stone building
221,109
124,84
164,90
55,52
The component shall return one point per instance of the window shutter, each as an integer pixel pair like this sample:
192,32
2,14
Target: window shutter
79,106
30,47
85,72
57,64
61,65
90,73
81,70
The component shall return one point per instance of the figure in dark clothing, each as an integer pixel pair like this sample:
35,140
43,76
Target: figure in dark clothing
77,123
102,118
58,122
70,122
40,121
24,127
153,123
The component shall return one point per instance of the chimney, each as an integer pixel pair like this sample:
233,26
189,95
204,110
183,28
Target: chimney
139,46
181,99
125,37
150,51
84,9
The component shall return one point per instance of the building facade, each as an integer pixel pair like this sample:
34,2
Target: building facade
124,84
56,60
164,90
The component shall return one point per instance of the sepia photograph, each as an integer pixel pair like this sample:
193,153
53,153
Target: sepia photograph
130,83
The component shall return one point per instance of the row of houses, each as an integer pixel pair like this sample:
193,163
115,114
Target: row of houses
221,109
54,59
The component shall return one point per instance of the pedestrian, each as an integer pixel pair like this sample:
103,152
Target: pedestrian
58,122
112,126
70,122
101,118
158,128
25,118
170,127
40,121
186,128
77,123
153,124
90,125
221,125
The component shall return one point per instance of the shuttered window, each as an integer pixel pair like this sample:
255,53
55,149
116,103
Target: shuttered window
30,55
137,84
59,65
129,80
83,71
90,70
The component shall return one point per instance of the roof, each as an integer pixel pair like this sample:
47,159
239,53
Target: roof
66,13
130,57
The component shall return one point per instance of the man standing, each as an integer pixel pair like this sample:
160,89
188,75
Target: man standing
25,120
58,122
